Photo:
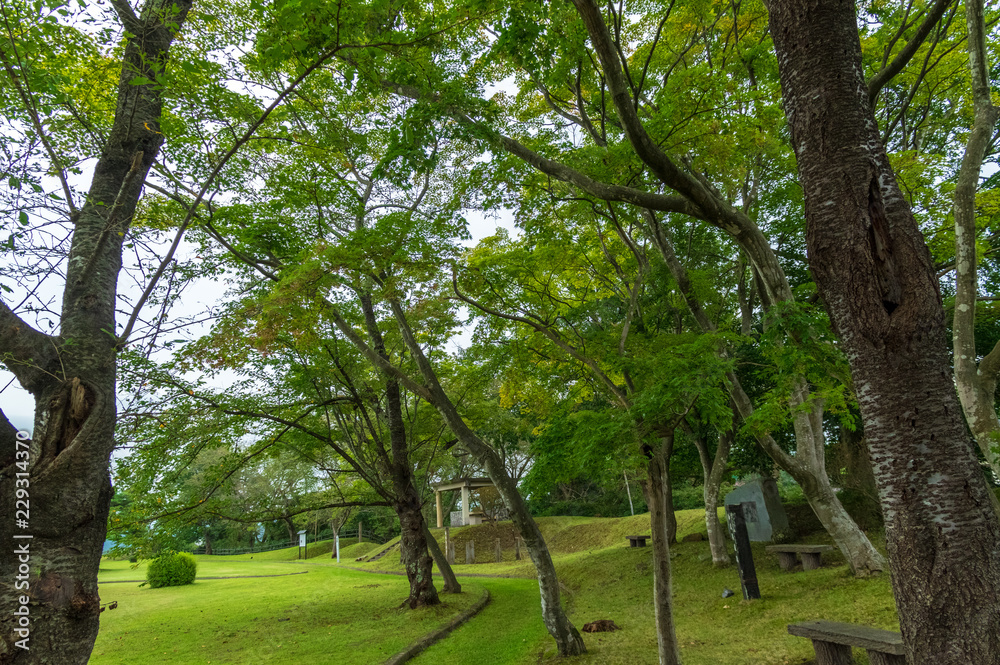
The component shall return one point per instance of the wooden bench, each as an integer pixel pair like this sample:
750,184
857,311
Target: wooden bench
832,642
637,541
811,555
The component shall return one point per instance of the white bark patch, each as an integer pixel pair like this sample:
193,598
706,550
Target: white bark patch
937,479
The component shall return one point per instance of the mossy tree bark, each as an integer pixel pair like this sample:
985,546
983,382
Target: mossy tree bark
660,515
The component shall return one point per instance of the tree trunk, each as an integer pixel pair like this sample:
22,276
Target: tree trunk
976,384
669,516
416,559
851,455
659,513
208,542
291,530
408,506
451,584
567,637
72,378
876,276
712,470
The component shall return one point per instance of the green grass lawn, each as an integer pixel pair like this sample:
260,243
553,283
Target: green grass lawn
605,579
208,566
328,614
339,615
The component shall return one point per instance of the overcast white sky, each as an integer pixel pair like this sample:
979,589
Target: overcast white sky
19,406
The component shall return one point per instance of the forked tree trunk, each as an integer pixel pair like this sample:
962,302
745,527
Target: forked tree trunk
72,378
407,504
808,465
712,470
877,279
567,637
659,513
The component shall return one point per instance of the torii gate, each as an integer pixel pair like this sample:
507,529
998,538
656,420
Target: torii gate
464,484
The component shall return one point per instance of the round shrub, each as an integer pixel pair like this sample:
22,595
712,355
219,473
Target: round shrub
171,570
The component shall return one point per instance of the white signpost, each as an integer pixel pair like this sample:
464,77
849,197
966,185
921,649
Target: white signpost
302,544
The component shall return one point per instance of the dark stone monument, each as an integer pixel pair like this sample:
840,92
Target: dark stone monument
765,516
736,517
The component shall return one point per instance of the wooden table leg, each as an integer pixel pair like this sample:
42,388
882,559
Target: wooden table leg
810,560
828,653
786,560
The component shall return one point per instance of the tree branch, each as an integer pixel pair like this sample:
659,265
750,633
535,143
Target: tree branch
374,358
715,210
29,105
603,191
25,351
127,16
620,396
880,79
192,210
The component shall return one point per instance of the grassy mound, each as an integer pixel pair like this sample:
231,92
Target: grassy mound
349,553
319,549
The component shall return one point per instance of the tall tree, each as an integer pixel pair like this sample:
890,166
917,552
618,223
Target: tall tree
71,374
977,382
876,278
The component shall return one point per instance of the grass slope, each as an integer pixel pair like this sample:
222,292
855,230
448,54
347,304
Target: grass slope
605,579
322,548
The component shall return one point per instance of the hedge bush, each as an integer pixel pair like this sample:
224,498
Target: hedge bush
171,570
